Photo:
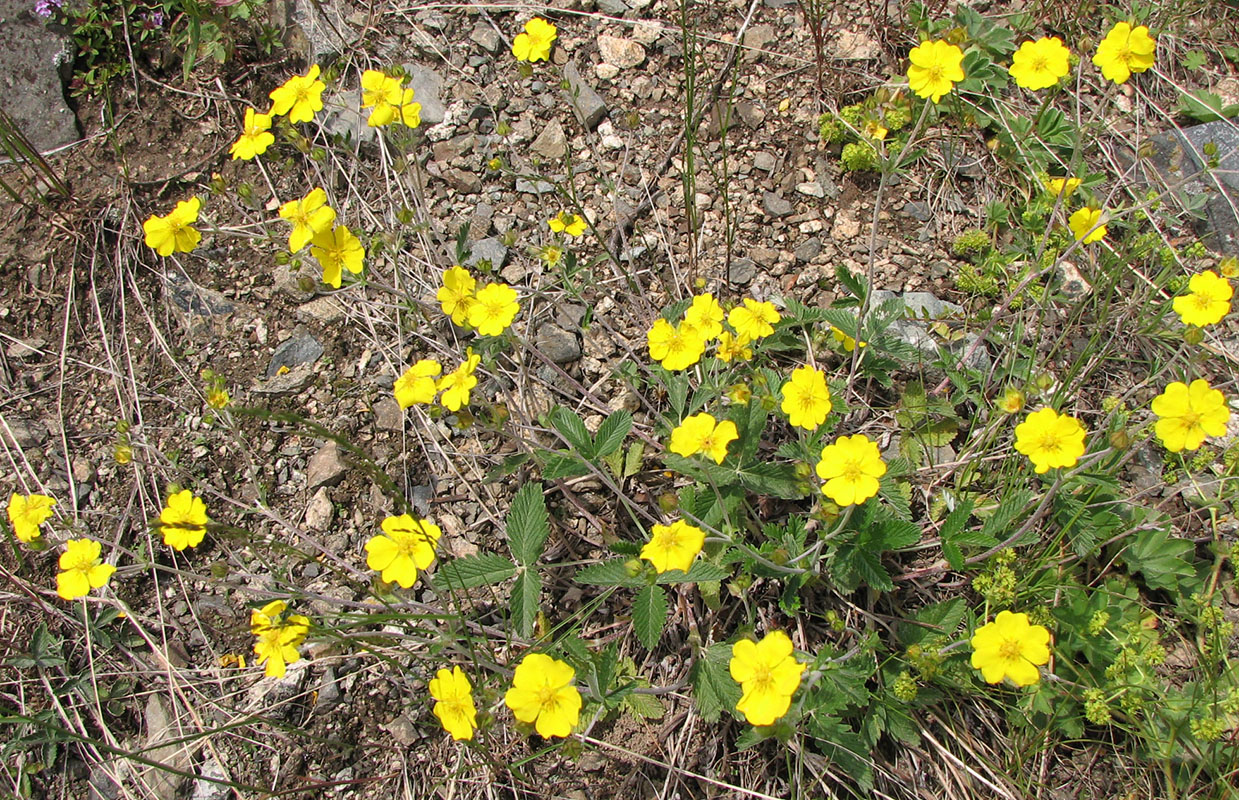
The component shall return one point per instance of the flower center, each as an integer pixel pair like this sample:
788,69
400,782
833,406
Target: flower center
1011,650
1051,442
548,699
852,470
1040,64
762,680
1123,54
934,73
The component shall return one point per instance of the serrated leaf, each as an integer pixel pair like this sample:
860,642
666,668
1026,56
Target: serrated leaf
466,572
632,461
700,571
525,595
1160,559
573,429
646,706
855,284
999,524
649,614
611,433
562,465
527,524
945,616
608,573
713,688
772,479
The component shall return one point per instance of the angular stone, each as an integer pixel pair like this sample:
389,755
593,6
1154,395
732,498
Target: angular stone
616,8
1070,282
1180,157
194,299
490,249
343,116
750,113
388,416
291,382
552,143
319,511
23,433
485,37
326,467
587,104
34,61
623,53
322,309
756,39
764,161
427,86
808,249
741,271
919,210
559,345
299,349
323,26
776,206
852,46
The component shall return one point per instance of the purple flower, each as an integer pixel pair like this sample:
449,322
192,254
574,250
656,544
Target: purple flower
44,7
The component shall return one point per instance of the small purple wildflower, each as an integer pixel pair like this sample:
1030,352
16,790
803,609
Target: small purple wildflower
44,7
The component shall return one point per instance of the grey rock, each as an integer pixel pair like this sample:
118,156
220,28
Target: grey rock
623,53
966,165
750,113
1180,158
919,305
764,161
23,433
587,104
273,694
291,382
462,181
325,309
490,249
449,150
615,8
741,271
427,86
299,349
534,186
485,37
34,61
433,20
319,511
1070,282
480,221
210,789
776,206
328,690
28,348
559,345
194,299
570,315
326,467
852,46
972,352
808,249
552,143
343,116
388,416
919,210
323,25
160,728
402,730
102,785
756,39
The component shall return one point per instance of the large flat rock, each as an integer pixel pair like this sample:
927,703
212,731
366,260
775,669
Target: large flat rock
32,58
1182,158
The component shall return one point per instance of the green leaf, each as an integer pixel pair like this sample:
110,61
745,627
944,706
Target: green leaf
700,571
632,461
649,614
525,594
466,572
773,479
646,706
527,524
944,616
713,688
1206,106
573,430
1161,559
611,434
855,284
609,573
561,465
1002,520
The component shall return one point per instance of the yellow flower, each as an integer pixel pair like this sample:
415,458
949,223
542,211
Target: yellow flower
806,398
183,520
300,97
730,347
851,468
874,130
382,93
81,569
567,223
255,137
535,43
768,674
1207,300
1125,50
493,309
550,255
1083,221
706,315
673,546
1040,64
699,434
675,347
1187,414
542,693
174,233
27,512
417,384
740,394
456,294
1010,647
1012,401
935,69
753,320
408,546
218,398
1063,186
457,384
454,702
335,249
310,215
278,637
410,112
849,344
1050,439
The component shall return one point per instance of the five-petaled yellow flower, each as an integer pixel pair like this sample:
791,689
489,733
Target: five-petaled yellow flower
542,694
417,385
935,68
1207,300
676,347
409,545
336,250
1082,222
851,468
300,97
174,232
535,43
706,315
457,384
700,434
310,215
732,347
1012,401
183,520
255,137
493,309
1040,64
1125,50
382,93
27,512
1010,647
455,296
454,707
806,398
768,674
1050,439
1188,414
1063,186
567,223
673,546
753,320
277,637
81,569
